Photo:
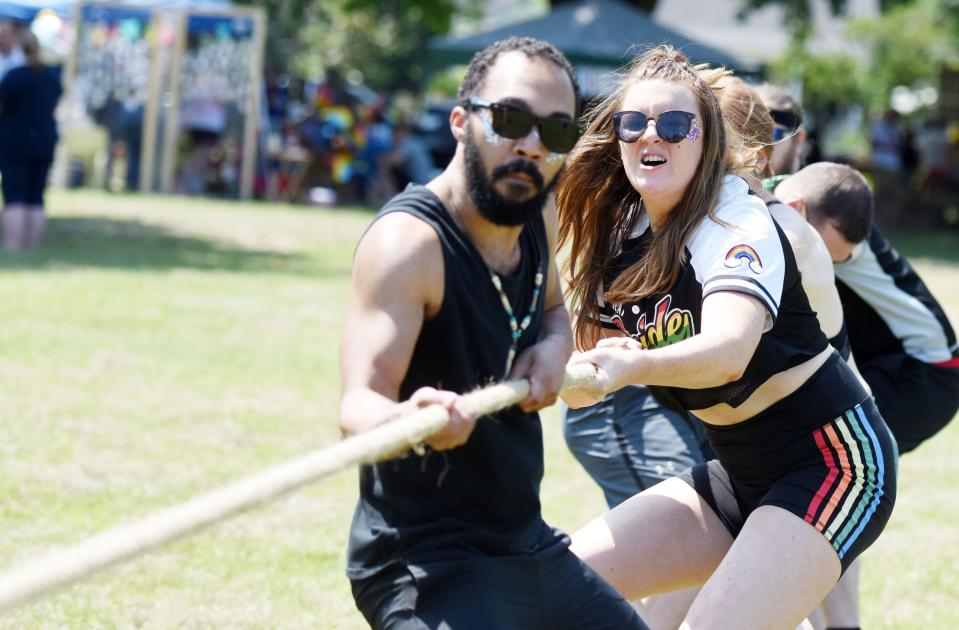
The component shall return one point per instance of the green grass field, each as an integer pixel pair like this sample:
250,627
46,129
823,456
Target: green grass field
156,348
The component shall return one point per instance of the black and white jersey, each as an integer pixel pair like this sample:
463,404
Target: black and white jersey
746,253
888,308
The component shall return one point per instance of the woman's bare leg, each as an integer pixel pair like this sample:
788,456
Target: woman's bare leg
664,539
667,611
14,226
840,609
36,225
778,570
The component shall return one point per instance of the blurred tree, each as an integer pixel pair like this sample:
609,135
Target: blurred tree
798,13
381,43
829,81
909,45
283,18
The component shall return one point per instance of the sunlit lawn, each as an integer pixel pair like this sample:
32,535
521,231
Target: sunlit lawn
156,348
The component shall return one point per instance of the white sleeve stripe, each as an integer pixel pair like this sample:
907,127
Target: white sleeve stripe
737,278
748,290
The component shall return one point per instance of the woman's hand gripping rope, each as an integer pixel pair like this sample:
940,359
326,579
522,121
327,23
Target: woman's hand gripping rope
609,365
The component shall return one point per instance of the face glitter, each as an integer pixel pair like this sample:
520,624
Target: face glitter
695,131
492,137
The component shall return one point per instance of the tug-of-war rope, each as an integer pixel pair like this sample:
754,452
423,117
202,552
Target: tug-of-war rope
66,566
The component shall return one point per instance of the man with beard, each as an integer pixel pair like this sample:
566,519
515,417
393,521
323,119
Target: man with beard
454,287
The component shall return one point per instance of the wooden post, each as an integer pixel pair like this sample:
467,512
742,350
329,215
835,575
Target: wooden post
253,104
171,130
61,158
151,109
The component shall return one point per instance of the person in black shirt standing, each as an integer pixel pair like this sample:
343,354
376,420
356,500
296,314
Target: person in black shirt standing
455,286
28,136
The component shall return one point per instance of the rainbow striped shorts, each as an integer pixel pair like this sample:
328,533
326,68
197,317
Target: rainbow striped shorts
836,470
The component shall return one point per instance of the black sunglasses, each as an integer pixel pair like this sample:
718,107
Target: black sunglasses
509,121
672,126
784,123
787,120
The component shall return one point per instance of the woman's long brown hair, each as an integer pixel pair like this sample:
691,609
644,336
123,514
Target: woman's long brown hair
598,207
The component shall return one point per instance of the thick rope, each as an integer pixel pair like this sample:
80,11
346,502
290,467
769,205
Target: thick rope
66,566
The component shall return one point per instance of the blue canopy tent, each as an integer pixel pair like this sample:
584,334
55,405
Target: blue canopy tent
26,10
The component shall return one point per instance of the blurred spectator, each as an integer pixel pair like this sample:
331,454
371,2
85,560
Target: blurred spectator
885,137
909,153
28,97
936,181
356,153
410,160
11,55
814,137
204,121
790,137
123,121
433,126
277,99
330,134
373,136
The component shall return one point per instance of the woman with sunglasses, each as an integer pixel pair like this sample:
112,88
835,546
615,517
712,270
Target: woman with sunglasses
673,256
751,136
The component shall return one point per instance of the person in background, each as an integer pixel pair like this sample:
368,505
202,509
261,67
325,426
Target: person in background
901,339
885,140
28,98
409,161
11,55
885,137
789,137
122,116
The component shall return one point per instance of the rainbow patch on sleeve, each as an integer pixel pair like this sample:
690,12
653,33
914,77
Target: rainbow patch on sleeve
744,255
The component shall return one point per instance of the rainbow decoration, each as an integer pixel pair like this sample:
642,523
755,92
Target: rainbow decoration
850,493
744,255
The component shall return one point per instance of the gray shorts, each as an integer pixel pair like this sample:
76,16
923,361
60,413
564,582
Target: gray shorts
628,442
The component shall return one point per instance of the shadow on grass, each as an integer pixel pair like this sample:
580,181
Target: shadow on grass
941,245
134,245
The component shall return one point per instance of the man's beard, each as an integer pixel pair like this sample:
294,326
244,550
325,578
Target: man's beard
493,206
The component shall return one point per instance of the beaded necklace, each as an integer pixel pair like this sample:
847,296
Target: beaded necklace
516,330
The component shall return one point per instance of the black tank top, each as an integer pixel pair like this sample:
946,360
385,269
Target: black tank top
483,497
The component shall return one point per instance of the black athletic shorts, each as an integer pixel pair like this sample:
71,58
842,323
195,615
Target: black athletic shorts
830,462
915,399
24,180
551,588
